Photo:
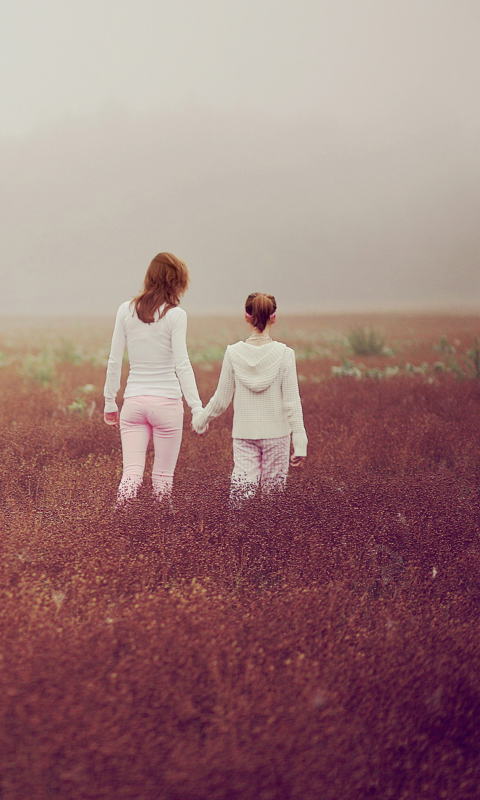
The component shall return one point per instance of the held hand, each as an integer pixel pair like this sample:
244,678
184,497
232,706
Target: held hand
199,434
111,418
297,461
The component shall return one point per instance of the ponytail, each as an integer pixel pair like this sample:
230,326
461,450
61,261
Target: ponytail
260,308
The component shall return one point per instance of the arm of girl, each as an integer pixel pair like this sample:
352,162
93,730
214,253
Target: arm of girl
221,399
183,367
114,369
293,409
297,461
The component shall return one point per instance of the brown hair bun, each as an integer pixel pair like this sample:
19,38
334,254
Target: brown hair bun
260,308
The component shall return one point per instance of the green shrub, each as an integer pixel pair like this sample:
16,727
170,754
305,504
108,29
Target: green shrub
39,368
366,342
444,346
66,353
473,359
207,353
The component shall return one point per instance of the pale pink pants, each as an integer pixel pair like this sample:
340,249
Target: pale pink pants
257,462
140,417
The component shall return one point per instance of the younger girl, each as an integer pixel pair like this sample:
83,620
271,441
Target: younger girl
153,327
261,377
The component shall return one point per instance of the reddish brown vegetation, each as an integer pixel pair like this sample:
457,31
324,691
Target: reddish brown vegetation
322,644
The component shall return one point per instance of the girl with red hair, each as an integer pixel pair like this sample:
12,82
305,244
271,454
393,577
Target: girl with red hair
153,327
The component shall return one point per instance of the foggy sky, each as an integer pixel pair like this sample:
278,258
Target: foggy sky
326,152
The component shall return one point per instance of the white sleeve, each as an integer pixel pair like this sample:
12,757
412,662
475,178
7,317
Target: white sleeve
114,367
293,405
222,397
183,367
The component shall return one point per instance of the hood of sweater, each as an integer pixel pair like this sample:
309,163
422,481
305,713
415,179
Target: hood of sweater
257,366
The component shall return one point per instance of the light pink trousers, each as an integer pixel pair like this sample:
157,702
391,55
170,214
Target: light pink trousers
257,462
140,417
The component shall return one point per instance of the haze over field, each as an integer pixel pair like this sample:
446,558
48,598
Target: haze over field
325,152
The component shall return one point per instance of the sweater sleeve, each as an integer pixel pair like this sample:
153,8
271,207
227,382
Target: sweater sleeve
293,405
183,367
222,397
114,367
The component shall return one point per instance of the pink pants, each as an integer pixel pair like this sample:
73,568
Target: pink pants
140,416
259,461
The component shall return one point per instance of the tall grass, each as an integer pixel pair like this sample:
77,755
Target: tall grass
323,643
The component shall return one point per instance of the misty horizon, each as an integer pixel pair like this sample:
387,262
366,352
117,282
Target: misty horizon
334,163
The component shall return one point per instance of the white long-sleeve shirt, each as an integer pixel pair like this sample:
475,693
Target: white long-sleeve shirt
266,402
159,362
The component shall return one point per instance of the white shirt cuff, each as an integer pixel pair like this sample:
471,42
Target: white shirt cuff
110,406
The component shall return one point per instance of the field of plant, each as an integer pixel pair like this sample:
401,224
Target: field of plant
323,644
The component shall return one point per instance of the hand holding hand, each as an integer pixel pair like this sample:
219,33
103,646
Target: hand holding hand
297,461
111,418
202,433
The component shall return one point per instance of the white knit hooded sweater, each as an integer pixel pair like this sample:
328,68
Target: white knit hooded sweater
266,402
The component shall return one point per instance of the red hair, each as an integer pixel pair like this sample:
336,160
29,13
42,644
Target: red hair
260,307
166,281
